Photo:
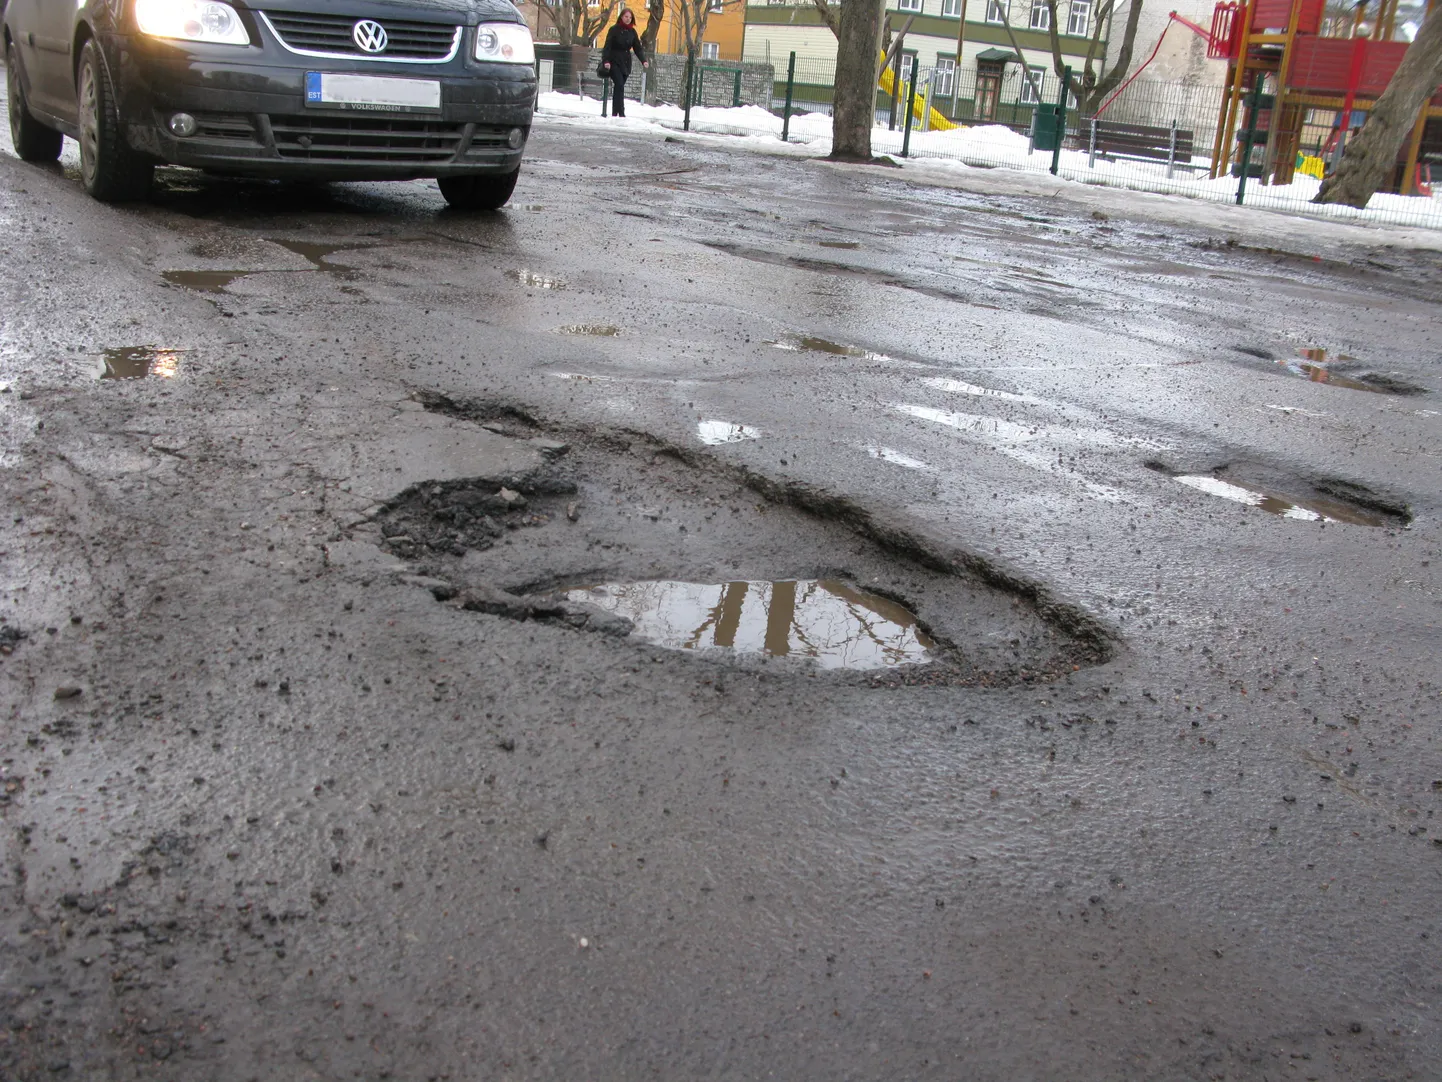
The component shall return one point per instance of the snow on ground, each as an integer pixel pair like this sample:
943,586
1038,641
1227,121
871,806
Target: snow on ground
988,146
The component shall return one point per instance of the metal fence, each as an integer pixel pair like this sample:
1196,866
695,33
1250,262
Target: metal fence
1153,136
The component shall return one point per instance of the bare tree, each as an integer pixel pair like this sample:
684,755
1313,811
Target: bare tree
655,15
1371,156
853,107
692,15
1092,88
576,21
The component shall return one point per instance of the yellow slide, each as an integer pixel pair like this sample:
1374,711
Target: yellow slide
938,122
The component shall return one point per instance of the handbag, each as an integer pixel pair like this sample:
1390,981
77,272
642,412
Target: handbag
603,69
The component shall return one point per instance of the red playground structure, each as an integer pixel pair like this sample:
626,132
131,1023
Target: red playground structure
1322,76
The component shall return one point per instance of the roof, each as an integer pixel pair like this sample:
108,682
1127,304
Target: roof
996,54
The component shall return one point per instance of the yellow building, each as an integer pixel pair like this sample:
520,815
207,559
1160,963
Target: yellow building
725,30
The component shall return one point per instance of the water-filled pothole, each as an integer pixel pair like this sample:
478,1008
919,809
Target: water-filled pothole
536,280
848,245
713,433
810,344
137,362
1319,365
1333,502
594,330
203,281
828,622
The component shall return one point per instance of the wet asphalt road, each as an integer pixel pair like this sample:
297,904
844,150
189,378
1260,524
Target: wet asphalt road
477,848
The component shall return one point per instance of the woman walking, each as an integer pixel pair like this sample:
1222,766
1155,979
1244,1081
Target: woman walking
621,41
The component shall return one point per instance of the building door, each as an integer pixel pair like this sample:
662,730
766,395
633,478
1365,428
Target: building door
988,91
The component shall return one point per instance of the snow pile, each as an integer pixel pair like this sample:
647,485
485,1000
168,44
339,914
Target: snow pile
987,146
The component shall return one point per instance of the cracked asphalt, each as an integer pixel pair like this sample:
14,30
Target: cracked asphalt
291,793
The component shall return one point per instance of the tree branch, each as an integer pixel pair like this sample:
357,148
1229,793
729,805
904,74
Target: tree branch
1056,63
828,16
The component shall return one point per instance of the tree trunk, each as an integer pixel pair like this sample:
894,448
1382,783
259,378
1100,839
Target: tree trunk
1094,95
655,14
1372,155
854,104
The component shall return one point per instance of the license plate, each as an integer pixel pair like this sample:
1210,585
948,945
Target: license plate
371,92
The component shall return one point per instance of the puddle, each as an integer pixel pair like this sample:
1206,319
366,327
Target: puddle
597,330
318,254
534,280
712,433
896,458
957,386
849,245
807,344
997,430
1315,509
137,362
1314,365
828,622
203,281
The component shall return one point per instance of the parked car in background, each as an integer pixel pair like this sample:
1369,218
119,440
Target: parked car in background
317,90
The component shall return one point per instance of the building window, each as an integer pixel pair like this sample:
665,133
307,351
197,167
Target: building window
907,60
710,51
1029,88
1079,18
997,11
908,5
945,75
951,8
1040,15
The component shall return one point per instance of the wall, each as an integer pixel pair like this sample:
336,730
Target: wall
666,79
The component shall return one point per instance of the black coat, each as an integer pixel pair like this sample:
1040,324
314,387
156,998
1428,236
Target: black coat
621,42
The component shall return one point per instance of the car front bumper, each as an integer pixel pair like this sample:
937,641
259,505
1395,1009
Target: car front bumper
252,118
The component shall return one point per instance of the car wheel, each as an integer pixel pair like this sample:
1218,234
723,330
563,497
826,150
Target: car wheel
34,142
109,169
486,192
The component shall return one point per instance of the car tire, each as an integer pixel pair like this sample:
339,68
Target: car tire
110,170
485,192
34,142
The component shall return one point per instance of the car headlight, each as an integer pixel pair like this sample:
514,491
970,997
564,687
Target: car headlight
191,20
509,43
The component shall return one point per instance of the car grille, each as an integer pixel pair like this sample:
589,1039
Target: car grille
407,39
365,139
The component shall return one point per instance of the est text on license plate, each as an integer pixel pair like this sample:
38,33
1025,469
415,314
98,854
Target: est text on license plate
375,93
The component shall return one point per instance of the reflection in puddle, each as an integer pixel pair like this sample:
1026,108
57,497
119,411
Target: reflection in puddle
798,344
896,458
137,362
827,621
535,280
997,430
714,432
956,386
1313,366
204,281
318,254
598,330
1321,509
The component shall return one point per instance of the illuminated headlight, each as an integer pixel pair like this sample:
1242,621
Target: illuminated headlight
509,43
191,20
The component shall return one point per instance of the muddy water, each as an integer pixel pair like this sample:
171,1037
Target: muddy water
1314,365
137,362
1315,509
810,344
827,621
712,433
205,281
594,330
534,280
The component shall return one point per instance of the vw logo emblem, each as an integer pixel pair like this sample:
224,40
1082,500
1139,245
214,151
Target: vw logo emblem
370,36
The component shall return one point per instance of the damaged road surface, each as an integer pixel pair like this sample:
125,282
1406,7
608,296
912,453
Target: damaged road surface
767,620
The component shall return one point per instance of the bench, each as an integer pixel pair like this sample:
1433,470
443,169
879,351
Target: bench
1172,146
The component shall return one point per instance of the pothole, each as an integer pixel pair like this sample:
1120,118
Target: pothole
714,433
828,622
318,254
661,546
824,266
849,245
138,362
536,280
203,281
1323,500
811,344
1318,365
594,330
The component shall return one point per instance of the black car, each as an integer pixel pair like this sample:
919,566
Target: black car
304,89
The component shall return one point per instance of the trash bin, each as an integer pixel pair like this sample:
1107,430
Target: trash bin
1046,127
